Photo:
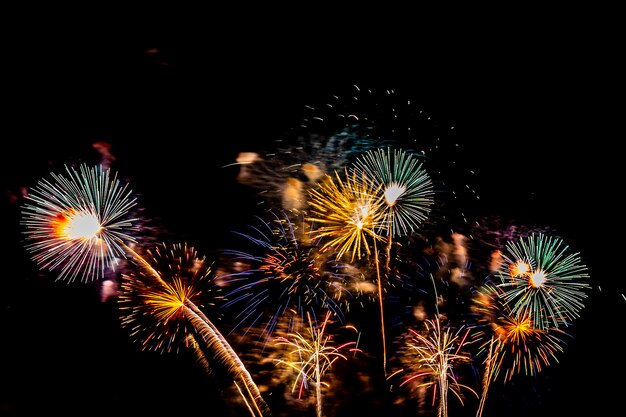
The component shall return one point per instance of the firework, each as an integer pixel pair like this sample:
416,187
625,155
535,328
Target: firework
543,280
312,354
349,213
154,312
512,344
406,187
284,270
168,298
76,224
430,357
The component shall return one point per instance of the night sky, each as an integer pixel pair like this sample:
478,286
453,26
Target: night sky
177,110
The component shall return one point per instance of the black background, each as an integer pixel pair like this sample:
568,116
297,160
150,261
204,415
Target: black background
530,109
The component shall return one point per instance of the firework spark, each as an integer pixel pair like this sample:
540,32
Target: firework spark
407,193
543,280
76,224
312,355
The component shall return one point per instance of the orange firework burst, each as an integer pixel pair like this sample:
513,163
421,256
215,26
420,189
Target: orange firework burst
161,306
511,342
520,346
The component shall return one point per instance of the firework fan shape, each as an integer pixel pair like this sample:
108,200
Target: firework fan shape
406,187
430,358
285,270
77,224
543,280
348,213
154,311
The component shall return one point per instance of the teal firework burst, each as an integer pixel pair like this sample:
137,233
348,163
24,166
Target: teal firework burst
405,185
542,279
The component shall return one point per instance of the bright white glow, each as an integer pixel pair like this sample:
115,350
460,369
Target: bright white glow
393,192
81,226
537,278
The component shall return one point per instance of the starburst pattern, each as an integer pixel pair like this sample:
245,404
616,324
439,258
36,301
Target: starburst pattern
77,224
154,310
349,214
283,270
406,188
431,356
544,280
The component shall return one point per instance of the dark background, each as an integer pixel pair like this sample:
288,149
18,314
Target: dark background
531,112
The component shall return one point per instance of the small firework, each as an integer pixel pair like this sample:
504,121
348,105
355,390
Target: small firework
283,270
349,213
406,187
154,311
543,280
430,358
311,356
77,224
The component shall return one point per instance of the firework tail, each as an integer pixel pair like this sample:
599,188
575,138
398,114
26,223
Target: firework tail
215,343
252,413
206,366
380,302
318,387
487,376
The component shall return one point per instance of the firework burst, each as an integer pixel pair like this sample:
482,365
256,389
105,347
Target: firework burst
349,213
284,270
166,296
153,311
543,280
406,187
76,224
510,343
